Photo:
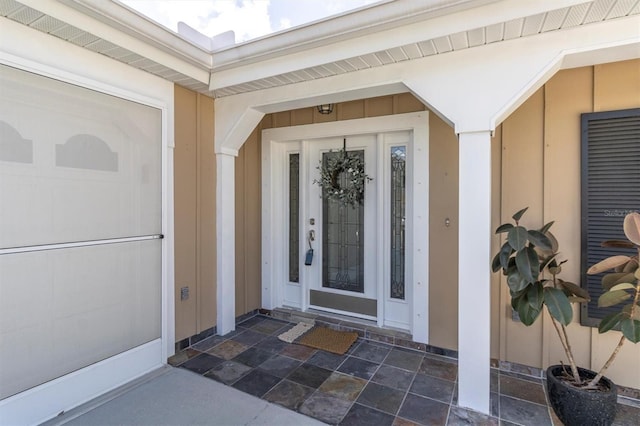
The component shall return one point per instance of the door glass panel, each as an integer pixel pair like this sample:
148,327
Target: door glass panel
398,205
342,239
294,219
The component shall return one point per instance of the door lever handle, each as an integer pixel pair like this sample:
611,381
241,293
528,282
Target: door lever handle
311,236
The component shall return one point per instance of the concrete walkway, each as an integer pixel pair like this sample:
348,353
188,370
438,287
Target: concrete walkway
172,396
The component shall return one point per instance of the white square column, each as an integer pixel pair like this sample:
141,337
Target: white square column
474,271
225,243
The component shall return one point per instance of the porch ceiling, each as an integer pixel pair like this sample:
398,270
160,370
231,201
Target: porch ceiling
241,68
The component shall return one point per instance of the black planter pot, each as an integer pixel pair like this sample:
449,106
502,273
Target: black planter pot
579,407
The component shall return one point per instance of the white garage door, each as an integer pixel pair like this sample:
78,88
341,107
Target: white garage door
80,228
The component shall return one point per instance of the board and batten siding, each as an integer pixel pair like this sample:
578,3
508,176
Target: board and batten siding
195,213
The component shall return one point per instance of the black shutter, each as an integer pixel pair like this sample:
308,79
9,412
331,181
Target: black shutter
610,190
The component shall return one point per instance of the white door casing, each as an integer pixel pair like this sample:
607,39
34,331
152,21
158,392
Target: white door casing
409,130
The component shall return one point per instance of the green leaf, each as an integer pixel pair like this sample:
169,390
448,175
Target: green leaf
636,314
608,322
555,270
546,227
503,228
519,214
576,299
558,305
538,239
534,296
504,254
549,261
527,313
515,300
615,278
516,282
611,298
574,289
554,242
495,263
631,266
623,286
631,329
517,237
617,244
528,264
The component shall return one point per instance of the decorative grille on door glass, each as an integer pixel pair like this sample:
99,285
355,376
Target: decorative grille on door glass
294,218
342,239
398,212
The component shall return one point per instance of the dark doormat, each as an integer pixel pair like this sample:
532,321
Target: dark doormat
337,342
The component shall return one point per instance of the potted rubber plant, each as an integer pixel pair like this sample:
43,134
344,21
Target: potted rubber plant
529,259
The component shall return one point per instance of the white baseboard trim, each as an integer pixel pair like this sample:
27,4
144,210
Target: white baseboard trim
46,401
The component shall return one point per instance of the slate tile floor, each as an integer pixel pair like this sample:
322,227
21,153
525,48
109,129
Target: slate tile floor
373,384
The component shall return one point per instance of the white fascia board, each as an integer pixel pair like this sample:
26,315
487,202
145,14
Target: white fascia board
105,28
121,17
299,55
362,21
605,53
370,20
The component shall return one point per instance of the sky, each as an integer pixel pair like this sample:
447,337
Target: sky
248,18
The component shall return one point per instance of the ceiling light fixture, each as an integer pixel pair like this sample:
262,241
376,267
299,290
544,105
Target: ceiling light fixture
325,108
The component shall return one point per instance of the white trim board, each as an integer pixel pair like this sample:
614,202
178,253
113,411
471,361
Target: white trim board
274,142
46,401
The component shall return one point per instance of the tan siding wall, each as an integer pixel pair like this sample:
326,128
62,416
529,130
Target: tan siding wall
561,201
616,86
194,211
522,182
443,240
542,170
206,209
184,157
248,224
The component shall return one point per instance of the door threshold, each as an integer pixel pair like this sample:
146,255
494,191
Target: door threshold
342,315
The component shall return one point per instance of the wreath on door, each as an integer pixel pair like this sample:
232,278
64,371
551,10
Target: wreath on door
348,191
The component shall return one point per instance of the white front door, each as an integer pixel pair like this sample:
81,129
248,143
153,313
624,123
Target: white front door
342,277
369,261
